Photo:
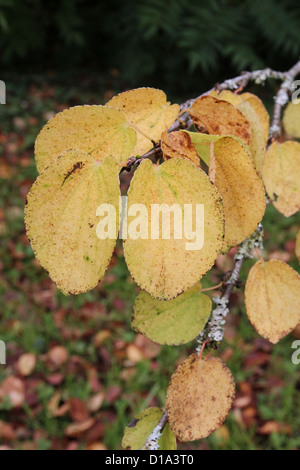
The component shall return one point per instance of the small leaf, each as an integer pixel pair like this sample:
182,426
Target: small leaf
281,176
177,144
199,397
291,120
219,117
148,109
167,264
172,322
257,144
137,432
61,219
99,131
272,299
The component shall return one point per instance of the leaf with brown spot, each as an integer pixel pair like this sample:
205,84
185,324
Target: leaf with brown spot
149,111
219,117
61,219
100,131
272,299
281,176
199,397
136,433
165,264
178,144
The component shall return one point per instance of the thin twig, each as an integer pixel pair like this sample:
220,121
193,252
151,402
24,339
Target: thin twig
151,442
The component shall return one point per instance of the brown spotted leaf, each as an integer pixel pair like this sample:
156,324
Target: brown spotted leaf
99,131
61,219
178,144
199,397
219,117
272,298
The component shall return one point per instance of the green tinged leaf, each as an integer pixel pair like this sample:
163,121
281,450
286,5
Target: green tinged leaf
137,432
172,322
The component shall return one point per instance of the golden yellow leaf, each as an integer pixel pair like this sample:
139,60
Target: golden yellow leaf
149,111
199,397
175,321
241,189
257,144
291,120
165,267
177,144
237,181
281,176
298,246
272,299
219,117
260,110
99,131
61,219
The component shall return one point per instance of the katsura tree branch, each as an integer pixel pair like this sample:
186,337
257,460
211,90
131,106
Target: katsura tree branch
237,83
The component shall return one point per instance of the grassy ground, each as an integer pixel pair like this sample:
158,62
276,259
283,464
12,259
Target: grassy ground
92,372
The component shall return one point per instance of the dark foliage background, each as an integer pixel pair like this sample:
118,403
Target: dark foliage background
178,45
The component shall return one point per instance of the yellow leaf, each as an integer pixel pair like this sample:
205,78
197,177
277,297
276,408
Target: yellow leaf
257,144
241,189
260,110
149,111
229,96
61,219
237,181
298,246
165,267
281,176
219,117
272,298
291,120
175,321
177,144
199,397
99,131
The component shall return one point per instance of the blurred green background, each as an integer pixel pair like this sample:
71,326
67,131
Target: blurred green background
88,373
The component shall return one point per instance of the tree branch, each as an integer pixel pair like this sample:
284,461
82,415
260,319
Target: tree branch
151,442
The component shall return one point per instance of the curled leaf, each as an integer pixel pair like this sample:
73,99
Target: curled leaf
172,322
199,397
178,144
141,427
99,131
272,299
281,176
219,117
167,259
61,219
149,111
